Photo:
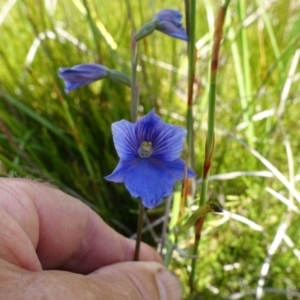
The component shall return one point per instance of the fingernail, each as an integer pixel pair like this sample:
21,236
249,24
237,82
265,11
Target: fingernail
169,286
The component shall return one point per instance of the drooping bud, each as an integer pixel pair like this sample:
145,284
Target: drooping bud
81,75
167,21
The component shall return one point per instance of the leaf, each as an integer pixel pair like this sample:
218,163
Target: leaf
200,213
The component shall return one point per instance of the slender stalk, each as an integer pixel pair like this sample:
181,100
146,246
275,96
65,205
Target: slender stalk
246,76
210,138
212,91
134,115
165,225
139,231
190,7
134,86
175,213
190,12
191,50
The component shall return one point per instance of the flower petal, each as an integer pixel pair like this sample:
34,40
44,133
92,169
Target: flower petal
149,179
175,168
167,139
70,85
145,127
170,15
119,173
172,30
168,142
125,140
168,21
80,75
149,182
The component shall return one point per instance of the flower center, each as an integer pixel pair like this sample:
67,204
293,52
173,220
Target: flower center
145,149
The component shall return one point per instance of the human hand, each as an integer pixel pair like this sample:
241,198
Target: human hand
52,246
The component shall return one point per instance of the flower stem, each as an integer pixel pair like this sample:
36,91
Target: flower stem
134,86
134,115
210,138
190,8
139,231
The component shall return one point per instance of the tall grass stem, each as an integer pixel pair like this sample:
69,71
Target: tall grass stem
210,138
190,6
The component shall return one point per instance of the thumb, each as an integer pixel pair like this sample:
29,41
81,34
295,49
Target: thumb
137,280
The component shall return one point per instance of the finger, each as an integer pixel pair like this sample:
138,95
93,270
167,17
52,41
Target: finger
68,234
137,280
126,281
15,246
18,228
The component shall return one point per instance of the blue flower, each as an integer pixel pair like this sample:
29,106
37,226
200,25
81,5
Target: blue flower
84,74
80,75
168,21
149,153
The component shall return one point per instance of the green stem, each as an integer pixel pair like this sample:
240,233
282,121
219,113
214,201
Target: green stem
176,203
134,115
198,229
246,76
210,138
191,50
211,118
139,231
134,87
190,143
191,28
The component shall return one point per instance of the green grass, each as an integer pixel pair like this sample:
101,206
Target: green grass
66,138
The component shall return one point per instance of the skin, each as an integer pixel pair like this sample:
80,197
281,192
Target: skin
52,246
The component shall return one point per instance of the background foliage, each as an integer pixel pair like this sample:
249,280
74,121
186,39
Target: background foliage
66,138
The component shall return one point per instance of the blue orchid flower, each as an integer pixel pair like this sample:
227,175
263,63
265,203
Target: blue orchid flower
167,21
84,74
149,153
